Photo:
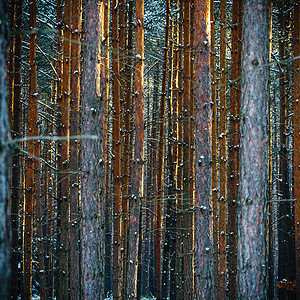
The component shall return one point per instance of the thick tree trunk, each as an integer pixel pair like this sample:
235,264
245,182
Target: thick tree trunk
138,168
203,143
4,159
92,152
252,215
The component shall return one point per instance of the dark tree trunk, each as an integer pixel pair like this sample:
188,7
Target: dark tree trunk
253,187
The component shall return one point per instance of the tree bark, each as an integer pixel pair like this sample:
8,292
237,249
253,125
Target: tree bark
92,151
74,153
252,216
203,147
138,168
32,131
233,147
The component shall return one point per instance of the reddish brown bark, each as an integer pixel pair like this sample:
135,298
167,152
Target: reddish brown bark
297,139
252,216
188,272
233,147
203,142
222,156
92,154
32,130
63,159
74,152
116,154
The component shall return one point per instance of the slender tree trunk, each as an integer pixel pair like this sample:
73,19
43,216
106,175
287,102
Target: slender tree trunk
252,216
4,158
203,143
214,152
138,168
63,160
233,147
74,153
188,271
32,130
178,264
160,167
297,140
116,155
92,153
16,171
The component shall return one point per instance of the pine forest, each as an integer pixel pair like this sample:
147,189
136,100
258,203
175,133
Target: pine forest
149,149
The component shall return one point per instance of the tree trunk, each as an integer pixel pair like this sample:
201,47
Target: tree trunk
223,155
233,147
138,168
63,160
160,167
203,143
297,140
74,153
4,159
252,216
32,131
92,152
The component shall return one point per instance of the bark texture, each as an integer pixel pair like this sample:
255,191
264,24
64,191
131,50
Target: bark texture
204,288
252,216
92,151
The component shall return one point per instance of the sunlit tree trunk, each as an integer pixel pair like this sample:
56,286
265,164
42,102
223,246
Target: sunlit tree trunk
160,167
116,148
32,131
16,171
92,153
138,161
74,153
233,147
203,143
297,140
253,185
4,158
